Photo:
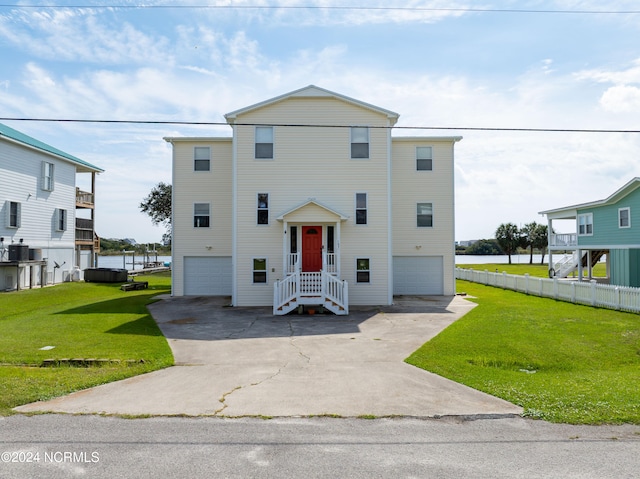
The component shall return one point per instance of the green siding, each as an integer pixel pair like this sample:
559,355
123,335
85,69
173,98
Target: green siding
605,223
625,267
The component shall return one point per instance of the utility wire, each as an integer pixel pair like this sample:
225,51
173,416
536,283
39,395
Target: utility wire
305,125
327,7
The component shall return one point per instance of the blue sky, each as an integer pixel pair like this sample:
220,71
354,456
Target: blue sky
438,64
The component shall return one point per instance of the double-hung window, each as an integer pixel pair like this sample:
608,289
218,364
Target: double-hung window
424,158
363,270
259,270
624,218
425,215
61,219
47,176
264,142
361,208
359,142
13,214
201,215
585,224
202,158
263,209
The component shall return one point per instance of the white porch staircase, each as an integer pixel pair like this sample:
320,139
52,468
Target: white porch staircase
569,264
311,288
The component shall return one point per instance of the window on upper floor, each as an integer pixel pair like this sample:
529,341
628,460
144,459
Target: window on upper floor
13,214
259,270
201,158
424,158
624,218
201,215
425,215
47,176
363,270
263,209
61,219
359,142
585,224
264,142
361,208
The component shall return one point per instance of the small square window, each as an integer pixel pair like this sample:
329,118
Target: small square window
259,270
264,142
624,218
263,208
201,215
425,215
202,158
363,272
424,158
359,142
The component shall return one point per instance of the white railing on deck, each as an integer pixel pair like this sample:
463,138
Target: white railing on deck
285,291
569,240
311,283
293,263
590,293
329,263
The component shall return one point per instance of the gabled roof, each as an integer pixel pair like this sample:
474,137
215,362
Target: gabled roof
7,133
312,91
627,189
312,201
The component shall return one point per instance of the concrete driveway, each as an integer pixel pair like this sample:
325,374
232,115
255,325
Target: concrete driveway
247,362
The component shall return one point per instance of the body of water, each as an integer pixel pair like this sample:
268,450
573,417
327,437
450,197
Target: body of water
118,261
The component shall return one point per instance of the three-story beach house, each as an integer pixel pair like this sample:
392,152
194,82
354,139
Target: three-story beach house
47,224
311,202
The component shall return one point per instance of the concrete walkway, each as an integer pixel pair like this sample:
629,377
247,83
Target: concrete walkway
247,362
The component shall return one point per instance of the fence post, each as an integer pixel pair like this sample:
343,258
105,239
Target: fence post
573,291
526,283
555,288
504,280
617,296
593,292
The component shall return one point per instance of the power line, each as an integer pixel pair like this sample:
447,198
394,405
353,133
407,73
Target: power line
305,125
328,7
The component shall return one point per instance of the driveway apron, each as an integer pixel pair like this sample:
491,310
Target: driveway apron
246,362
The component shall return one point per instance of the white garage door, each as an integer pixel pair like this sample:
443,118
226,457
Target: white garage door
418,275
207,276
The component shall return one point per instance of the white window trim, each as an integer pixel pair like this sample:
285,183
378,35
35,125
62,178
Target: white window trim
193,217
589,221
267,209
273,142
266,270
368,157
65,219
432,213
201,159
628,210
416,151
363,270
48,181
366,207
18,215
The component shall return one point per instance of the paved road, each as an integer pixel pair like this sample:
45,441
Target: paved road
449,448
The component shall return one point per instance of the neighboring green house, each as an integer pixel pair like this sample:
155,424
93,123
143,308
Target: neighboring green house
608,227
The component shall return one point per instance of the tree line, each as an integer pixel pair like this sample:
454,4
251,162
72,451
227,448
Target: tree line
509,238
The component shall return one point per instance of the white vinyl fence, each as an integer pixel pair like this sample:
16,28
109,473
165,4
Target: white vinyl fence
590,293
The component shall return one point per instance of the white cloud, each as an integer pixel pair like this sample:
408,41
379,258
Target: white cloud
621,98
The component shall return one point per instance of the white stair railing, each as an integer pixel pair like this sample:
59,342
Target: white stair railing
285,294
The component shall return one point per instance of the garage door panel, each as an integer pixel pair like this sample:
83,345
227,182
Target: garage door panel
207,276
418,275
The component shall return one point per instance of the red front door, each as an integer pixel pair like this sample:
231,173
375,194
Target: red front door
311,248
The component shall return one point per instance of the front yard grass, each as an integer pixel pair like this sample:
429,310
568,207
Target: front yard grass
81,321
561,362
537,270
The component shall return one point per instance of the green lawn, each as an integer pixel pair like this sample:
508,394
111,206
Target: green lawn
561,362
81,321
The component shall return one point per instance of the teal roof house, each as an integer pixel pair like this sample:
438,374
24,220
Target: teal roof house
605,228
47,223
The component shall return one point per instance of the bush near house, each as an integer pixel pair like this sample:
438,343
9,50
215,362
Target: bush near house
80,321
561,362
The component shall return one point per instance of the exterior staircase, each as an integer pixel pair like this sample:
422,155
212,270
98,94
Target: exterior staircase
313,289
569,264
